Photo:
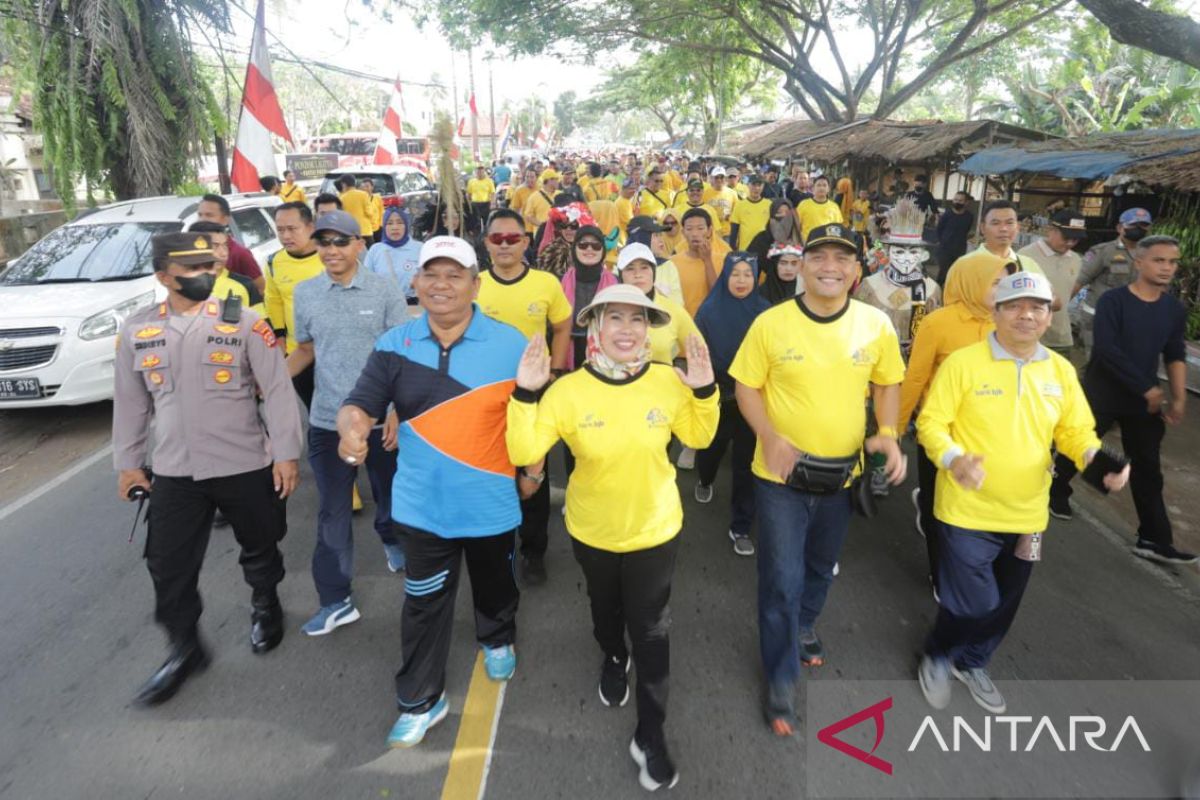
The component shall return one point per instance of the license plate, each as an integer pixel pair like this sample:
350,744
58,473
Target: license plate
20,388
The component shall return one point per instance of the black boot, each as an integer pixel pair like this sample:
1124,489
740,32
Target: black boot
266,621
187,656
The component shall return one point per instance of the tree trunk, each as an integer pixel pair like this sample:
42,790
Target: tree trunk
1171,35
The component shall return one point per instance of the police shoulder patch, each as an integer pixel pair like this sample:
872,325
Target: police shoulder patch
263,329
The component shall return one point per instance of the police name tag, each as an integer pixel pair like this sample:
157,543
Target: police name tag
1052,390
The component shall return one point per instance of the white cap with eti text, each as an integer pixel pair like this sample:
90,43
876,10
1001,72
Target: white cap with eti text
1024,284
451,247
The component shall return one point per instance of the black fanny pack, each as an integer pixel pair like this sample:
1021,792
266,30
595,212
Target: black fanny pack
817,475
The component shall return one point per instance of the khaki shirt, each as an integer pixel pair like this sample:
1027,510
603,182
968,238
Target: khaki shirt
1106,266
1062,272
197,376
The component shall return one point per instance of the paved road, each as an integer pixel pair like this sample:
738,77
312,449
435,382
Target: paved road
309,719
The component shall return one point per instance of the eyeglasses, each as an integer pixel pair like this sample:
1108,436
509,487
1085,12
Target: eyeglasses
589,245
567,225
335,241
505,238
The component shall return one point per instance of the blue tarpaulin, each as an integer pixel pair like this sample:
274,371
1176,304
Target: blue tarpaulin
1080,164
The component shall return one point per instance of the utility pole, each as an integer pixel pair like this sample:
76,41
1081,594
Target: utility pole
222,166
492,109
454,86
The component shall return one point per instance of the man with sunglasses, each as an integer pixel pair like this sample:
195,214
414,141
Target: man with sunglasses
531,300
339,315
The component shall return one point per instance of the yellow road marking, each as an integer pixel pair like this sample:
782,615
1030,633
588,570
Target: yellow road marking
472,756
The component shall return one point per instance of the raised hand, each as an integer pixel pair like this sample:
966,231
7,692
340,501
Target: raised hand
534,370
699,366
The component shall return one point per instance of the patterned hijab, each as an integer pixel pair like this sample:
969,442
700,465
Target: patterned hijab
599,360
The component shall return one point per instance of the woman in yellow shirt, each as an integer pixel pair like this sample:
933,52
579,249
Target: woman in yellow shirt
623,511
965,319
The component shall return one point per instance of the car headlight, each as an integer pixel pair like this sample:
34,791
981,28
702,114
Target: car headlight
108,322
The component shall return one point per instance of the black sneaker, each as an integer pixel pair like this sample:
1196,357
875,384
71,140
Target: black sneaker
533,570
614,681
1163,553
1060,508
656,769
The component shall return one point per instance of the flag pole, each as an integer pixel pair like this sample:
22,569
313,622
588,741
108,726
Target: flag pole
474,106
492,109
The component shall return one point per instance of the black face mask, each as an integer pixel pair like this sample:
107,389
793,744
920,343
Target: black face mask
197,288
1135,233
960,206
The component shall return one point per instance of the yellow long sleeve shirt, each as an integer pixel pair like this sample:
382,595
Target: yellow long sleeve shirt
668,341
944,331
622,495
984,401
282,274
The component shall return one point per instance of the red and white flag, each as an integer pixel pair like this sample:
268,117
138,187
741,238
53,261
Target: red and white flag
387,149
543,138
260,116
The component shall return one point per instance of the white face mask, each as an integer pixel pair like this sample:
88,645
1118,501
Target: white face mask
907,260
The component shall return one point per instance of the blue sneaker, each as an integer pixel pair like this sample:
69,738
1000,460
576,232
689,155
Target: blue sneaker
329,617
410,729
500,662
395,557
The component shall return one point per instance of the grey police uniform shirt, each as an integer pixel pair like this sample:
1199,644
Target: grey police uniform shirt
1106,266
197,377
343,322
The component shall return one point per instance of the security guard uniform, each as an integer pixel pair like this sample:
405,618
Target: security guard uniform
185,372
1108,265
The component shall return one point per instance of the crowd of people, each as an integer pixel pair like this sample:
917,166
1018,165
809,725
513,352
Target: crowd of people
642,316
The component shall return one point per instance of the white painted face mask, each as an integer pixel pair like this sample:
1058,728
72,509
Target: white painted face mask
907,260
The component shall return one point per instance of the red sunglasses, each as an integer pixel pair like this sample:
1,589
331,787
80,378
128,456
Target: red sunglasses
505,238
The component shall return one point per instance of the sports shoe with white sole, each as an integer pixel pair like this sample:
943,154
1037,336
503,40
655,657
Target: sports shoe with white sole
330,617
1163,553
704,494
614,681
983,691
655,768
500,662
742,545
934,676
410,729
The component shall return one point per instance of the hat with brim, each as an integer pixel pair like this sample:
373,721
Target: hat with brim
644,224
907,240
1070,223
635,251
185,249
832,234
624,294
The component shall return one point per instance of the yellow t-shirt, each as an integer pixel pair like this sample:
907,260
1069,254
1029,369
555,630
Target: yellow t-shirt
650,203
751,217
693,277
814,375
525,303
226,285
282,273
624,214
622,495
357,204
976,406
291,193
722,202
813,215
860,212
599,189
377,211
667,342
537,208
481,189
517,200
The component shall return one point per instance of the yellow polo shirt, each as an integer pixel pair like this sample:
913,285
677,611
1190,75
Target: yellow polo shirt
527,303
622,495
814,375
984,402
751,217
537,208
481,189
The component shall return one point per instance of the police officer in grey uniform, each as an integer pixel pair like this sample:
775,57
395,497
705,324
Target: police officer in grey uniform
195,364
1110,265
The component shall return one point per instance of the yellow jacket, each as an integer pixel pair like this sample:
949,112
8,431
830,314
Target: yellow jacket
985,402
622,495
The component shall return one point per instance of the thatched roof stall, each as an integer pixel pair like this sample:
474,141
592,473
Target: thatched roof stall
923,143
758,141
1160,159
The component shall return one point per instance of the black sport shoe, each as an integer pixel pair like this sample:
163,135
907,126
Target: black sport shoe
1060,508
1163,553
533,570
614,681
656,769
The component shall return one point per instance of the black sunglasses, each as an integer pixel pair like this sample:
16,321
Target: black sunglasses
587,244
334,241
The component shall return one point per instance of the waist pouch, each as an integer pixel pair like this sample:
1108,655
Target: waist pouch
817,475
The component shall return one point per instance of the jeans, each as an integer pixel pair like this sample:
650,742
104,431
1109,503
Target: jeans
1141,437
732,428
980,584
631,591
333,558
799,538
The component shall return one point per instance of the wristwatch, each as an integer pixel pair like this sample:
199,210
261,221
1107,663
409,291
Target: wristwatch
539,478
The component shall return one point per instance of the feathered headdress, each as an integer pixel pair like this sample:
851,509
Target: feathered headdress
906,224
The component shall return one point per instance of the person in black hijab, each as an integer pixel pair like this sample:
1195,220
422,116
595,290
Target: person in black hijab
777,286
783,228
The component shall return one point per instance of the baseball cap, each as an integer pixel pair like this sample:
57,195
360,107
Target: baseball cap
643,224
1070,222
634,252
551,175
186,249
338,222
756,178
1024,284
717,172
832,234
451,247
1135,216
629,295
695,183
630,183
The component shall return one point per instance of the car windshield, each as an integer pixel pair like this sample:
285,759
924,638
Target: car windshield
84,253
383,182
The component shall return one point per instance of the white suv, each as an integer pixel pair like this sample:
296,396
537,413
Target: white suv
63,300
